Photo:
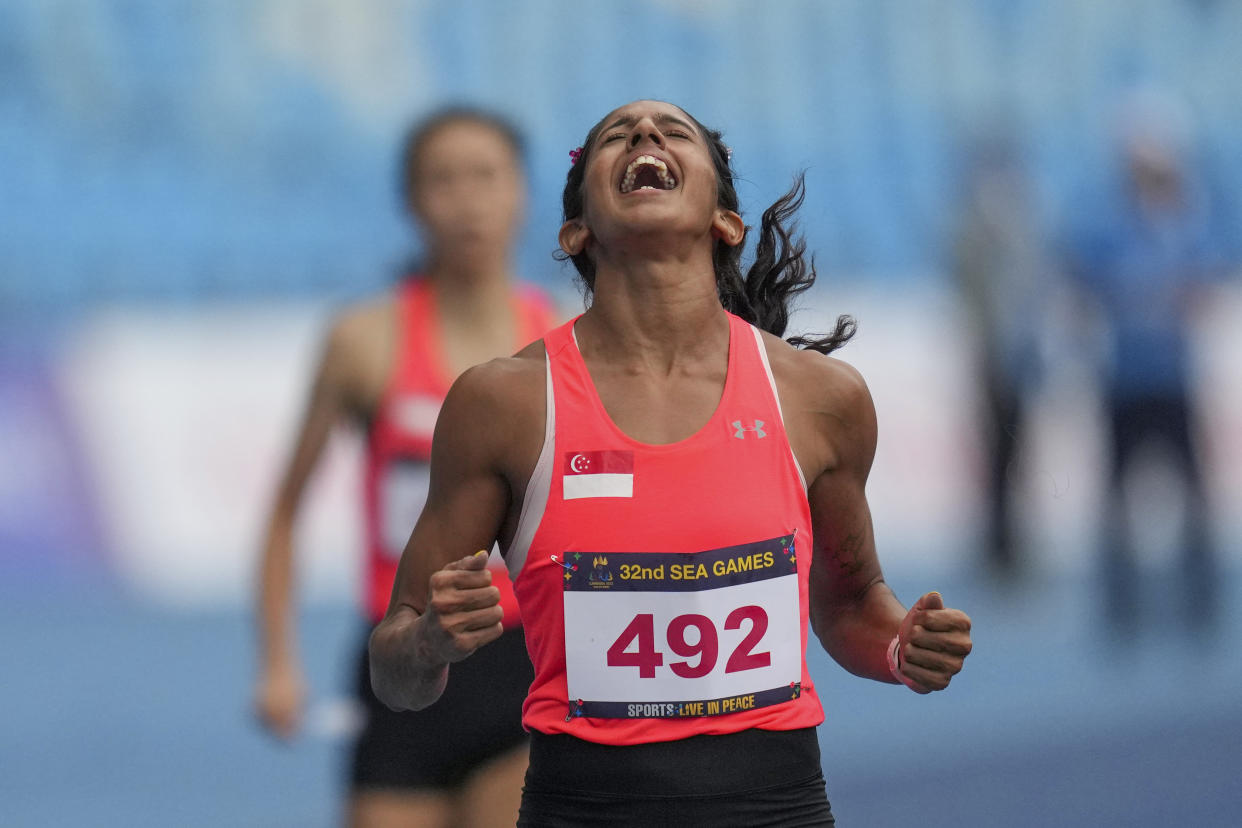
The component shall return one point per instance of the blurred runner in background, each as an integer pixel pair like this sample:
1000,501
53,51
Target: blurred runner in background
386,367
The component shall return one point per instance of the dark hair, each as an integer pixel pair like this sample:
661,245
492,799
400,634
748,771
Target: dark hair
781,269
418,135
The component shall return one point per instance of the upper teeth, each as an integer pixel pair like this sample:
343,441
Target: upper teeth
666,180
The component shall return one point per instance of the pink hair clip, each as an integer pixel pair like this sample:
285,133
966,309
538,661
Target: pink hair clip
574,155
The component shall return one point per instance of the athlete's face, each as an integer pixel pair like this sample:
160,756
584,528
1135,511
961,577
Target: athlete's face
649,169
468,191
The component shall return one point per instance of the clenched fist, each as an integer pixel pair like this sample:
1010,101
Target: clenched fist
930,646
463,609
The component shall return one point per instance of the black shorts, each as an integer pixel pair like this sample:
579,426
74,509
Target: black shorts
478,718
751,778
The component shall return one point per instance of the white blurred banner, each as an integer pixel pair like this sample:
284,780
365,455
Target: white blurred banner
187,418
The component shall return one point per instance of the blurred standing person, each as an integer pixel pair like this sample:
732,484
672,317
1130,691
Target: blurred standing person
1000,263
386,367
1143,255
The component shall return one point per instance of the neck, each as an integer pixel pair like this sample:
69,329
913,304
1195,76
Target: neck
654,313
469,289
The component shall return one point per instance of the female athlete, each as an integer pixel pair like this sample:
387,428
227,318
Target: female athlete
677,492
386,367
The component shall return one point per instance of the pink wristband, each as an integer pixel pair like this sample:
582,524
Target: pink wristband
894,666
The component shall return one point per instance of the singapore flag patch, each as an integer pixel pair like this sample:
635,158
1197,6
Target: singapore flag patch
598,474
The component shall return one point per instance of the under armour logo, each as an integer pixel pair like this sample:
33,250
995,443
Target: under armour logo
757,428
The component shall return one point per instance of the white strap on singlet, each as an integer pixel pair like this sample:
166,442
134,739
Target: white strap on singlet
767,368
535,503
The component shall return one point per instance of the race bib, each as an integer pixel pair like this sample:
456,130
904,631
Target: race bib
403,492
669,635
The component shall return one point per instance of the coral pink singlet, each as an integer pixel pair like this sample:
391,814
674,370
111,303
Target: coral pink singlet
665,586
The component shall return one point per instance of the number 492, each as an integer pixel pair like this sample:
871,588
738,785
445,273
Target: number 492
640,634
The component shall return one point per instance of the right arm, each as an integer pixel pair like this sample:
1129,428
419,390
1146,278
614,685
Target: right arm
280,687
443,605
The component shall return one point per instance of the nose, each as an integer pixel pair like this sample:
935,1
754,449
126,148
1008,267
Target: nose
646,129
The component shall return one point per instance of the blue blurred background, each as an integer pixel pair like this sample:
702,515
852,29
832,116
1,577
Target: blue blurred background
190,189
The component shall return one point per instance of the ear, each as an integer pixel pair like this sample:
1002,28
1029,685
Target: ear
574,237
728,227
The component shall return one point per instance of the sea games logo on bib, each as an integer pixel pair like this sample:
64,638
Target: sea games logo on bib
600,576
598,474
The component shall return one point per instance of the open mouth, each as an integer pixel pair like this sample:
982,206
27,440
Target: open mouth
646,172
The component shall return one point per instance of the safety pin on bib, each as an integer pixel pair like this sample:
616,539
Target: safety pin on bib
558,562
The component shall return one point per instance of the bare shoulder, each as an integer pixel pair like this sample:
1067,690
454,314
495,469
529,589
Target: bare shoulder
358,351
355,324
828,409
823,382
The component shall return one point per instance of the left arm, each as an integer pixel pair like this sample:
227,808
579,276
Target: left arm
852,610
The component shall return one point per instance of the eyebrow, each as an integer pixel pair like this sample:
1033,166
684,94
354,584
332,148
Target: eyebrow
661,118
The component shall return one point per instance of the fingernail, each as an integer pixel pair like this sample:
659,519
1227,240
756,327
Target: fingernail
480,552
